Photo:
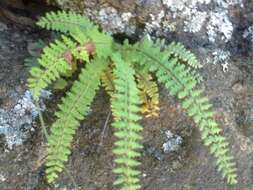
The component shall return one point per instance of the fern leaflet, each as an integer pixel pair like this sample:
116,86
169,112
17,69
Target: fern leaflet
184,56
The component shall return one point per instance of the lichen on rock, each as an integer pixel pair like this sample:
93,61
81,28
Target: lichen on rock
114,22
208,22
221,57
173,142
17,123
248,33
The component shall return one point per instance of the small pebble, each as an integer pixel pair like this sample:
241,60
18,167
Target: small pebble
173,142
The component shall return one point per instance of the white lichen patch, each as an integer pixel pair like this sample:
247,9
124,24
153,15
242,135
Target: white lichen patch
15,124
2,178
175,5
188,11
115,22
216,23
155,22
173,142
195,23
227,3
219,24
221,57
126,17
248,33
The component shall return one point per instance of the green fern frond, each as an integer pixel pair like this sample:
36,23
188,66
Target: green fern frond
148,93
125,108
181,84
52,65
72,110
66,22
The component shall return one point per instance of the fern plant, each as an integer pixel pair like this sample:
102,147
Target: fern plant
125,71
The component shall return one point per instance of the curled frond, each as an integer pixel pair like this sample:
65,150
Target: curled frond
125,107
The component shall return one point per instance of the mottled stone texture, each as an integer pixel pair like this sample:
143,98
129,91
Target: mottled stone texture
216,30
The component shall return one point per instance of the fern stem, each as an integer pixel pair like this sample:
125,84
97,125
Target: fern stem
72,179
104,128
42,122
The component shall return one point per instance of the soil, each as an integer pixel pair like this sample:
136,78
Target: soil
189,168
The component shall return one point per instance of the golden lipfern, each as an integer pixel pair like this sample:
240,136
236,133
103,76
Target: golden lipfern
125,71
148,92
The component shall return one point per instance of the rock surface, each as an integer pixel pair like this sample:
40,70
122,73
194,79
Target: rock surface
216,30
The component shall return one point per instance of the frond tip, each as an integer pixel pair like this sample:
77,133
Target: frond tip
179,51
66,22
125,107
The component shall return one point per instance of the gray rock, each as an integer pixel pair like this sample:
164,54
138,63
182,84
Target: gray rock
3,27
173,142
196,23
17,123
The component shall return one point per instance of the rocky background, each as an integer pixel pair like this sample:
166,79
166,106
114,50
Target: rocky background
215,29
219,32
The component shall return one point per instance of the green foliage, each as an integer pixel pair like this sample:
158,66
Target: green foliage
125,107
72,110
52,65
65,22
183,85
107,80
148,92
179,51
125,72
